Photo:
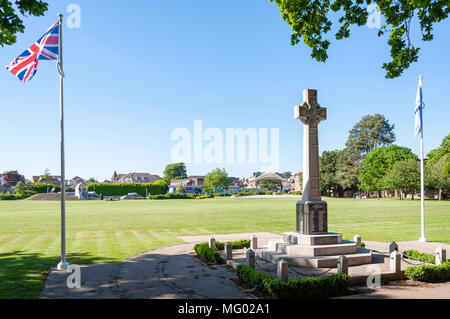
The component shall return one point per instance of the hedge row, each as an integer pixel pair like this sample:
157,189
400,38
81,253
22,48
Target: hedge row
41,188
429,273
23,195
158,188
240,244
207,253
313,287
415,255
171,196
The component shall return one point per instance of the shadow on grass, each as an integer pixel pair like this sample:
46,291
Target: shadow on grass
23,274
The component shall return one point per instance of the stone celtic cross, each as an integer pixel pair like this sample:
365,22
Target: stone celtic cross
311,211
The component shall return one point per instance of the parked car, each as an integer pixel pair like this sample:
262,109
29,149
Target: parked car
197,190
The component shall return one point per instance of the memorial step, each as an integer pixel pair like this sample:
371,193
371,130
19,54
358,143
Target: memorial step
361,257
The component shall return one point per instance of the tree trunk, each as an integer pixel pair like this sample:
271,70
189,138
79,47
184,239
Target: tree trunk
440,193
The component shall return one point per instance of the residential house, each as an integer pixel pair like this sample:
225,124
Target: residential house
142,178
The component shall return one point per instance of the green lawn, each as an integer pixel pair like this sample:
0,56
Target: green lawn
114,231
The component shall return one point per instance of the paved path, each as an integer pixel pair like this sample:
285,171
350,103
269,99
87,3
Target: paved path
173,272
405,290
169,272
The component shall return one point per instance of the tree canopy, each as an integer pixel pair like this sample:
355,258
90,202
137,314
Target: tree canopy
404,175
372,131
311,21
378,162
10,21
175,171
216,179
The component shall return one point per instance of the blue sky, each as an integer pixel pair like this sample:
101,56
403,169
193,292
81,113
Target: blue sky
134,73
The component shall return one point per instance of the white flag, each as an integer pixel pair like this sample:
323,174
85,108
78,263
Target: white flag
418,108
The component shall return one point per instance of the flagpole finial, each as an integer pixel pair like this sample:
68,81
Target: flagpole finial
60,16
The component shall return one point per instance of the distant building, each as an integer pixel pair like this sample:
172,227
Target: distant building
190,181
49,180
142,178
296,182
256,178
75,181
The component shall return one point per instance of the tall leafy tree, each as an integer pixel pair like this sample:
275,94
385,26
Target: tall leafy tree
404,176
287,174
328,170
11,15
347,170
310,21
436,176
436,154
378,162
369,133
216,179
175,171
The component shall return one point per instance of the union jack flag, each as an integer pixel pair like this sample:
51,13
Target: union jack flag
46,48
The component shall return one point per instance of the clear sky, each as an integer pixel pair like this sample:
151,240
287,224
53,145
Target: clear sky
137,70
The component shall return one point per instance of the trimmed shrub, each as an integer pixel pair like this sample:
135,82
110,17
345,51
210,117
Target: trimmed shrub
207,253
313,287
157,188
171,196
415,255
23,195
240,244
429,273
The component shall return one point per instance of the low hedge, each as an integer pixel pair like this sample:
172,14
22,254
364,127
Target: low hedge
42,188
171,196
23,195
313,287
240,244
207,253
429,273
415,255
157,188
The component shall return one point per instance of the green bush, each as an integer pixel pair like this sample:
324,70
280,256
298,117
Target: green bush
8,197
207,253
171,196
415,255
221,195
429,273
158,188
23,195
41,188
313,287
240,244
269,193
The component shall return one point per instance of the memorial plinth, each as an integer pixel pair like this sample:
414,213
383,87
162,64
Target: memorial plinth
312,245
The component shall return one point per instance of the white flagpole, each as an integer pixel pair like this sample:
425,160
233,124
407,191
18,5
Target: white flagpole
422,174
63,265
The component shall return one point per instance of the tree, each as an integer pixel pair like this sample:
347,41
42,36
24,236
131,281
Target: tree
92,180
11,23
378,162
20,187
372,131
216,179
347,170
11,178
180,189
175,171
404,176
328,170
268,184
436,176
47,174
310,22
287,174
436,154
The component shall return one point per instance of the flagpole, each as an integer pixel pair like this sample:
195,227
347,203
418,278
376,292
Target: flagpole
422,175
63,265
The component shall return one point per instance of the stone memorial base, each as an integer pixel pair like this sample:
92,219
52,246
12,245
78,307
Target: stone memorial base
314,251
